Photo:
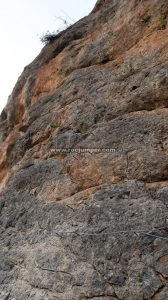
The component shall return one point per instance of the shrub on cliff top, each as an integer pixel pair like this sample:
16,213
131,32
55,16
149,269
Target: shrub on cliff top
48,37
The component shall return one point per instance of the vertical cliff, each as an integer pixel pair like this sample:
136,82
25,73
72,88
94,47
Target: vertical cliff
84,162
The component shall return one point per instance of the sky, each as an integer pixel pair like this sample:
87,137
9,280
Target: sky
22,23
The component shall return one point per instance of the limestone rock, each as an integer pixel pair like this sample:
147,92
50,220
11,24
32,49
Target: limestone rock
84,162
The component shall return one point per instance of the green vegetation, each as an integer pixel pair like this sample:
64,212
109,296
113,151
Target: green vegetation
148,19
23,211
140,278
54,125
150,180
48,37
162,22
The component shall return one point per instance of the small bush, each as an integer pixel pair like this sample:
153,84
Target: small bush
148,19
162,22
54,125
150,180
140,278
48,37
23,211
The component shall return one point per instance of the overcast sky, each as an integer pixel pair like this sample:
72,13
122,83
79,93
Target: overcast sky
22,22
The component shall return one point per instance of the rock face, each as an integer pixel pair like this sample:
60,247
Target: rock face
78,224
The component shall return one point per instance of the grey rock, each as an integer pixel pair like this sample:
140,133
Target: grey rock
163,294
4,295
89,225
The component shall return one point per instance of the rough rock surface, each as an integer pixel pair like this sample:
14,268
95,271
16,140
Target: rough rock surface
90,225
